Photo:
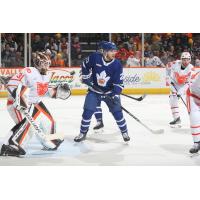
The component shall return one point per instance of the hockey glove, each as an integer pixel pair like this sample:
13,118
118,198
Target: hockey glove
63,91
115,99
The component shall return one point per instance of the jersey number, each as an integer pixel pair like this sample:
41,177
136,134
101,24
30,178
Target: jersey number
19,76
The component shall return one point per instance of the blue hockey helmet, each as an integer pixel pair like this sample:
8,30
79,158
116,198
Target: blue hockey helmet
107,46
100,44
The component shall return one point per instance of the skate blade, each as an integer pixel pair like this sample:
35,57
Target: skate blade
193,155
101,130
16,156
176,126
126,142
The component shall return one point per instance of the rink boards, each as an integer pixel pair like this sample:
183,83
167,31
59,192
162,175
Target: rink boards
136,80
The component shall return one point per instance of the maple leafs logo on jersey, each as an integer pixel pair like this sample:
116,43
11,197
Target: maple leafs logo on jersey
102,78
42,88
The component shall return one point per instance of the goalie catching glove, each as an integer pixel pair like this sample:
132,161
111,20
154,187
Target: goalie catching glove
62,91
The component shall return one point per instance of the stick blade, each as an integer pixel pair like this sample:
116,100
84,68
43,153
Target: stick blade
142,97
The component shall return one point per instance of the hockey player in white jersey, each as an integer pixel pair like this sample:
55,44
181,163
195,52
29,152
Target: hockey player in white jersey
26,90
193,104
179,73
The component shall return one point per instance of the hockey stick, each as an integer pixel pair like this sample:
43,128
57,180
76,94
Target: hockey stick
39,133
179,95
159,131
135,98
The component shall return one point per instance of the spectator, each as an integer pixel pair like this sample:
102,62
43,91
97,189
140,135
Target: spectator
20,48
76,43
153,61
65,56
133,61
7,54
58,61
76,54
52,46
63,44
197,62
38,44
17,61
164,57
129,44
122,55
13,45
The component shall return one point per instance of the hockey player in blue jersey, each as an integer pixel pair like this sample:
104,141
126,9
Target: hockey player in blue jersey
103,74
98,113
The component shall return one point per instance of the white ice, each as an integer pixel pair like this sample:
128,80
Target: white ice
108,148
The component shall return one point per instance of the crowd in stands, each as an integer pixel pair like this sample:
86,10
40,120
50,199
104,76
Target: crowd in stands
12,50
56,43
169,46
129,48
159,48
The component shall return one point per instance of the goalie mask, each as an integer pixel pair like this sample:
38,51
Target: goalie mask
42,62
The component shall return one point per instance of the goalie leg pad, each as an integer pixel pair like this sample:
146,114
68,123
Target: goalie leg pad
15,114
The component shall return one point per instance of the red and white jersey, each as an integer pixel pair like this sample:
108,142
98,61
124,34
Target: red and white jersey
33,80
195,86
177,75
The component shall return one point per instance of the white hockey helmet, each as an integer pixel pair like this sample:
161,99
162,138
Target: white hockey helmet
186,55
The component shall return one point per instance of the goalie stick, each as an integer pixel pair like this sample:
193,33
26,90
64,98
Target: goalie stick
39,133
159,131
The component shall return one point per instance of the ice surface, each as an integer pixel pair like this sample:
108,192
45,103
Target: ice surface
108,148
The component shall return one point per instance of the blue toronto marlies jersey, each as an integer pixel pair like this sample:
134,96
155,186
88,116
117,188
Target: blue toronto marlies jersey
108,76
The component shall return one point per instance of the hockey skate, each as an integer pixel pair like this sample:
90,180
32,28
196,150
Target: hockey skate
12,150
125,137
80,137
99,127
195,148
176,123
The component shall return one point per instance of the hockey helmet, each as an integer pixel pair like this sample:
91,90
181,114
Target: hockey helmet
108,46
186,55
